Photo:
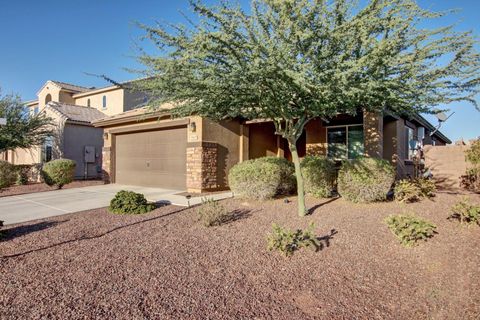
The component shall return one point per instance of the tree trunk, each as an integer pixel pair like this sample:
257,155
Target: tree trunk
302,211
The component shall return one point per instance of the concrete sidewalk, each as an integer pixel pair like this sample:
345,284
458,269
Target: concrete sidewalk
26,207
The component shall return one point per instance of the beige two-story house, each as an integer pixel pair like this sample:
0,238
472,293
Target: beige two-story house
73,109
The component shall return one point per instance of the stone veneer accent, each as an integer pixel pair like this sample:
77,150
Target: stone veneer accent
107,164
201,166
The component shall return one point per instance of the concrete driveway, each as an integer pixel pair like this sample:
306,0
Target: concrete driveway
26,207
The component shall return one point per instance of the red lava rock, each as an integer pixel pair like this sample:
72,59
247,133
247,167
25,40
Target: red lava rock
166,265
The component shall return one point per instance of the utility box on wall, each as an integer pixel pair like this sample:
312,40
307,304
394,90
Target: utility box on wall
89,154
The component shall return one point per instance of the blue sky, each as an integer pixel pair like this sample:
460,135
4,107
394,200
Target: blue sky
63,40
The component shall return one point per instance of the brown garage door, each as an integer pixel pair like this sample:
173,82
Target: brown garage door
152,158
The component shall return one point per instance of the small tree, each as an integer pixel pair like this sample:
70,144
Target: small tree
291,61
22,129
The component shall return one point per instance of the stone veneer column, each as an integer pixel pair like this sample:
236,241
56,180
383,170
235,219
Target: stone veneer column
373,134
201,166
106,164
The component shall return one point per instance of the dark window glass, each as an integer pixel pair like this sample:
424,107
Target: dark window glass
355,142
337,143
104,102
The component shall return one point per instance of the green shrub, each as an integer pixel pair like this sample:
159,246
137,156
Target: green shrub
212,213
471,179
58,172
466,212
411,190
262,178
288,241
129,202
407,191
410,229
319,176
472,155
7,174
365,179
23,173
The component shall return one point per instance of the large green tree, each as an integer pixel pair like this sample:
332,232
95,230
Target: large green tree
290,61
22,130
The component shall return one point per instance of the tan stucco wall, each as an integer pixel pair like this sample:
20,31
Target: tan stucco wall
76,137
226,135
316,138
262,140
115,101
373,134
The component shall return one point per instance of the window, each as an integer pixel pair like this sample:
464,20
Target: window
48,98
47,150
345,142
104,102
411,142
88,102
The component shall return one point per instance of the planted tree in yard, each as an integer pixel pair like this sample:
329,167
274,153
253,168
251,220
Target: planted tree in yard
291,61
22,130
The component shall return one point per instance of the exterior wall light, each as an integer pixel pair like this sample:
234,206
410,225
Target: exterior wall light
105,135
193,127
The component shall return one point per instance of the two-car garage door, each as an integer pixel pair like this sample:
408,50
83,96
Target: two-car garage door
152,158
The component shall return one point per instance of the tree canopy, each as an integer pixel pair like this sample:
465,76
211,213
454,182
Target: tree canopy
22,130
291,61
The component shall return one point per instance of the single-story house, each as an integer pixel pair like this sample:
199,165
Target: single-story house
195,153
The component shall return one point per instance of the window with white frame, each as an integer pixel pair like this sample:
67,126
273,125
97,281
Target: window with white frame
345,142
410,141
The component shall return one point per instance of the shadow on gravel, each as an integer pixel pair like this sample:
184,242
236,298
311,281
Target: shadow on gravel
93,237
315,207
325,240
236,215
20,231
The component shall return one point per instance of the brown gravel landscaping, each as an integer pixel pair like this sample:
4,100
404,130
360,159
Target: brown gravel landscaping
166,265
42,187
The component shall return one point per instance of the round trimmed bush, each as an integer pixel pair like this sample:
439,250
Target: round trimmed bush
59,172
23,173
129,202
262,178
8,174
319,176
365,179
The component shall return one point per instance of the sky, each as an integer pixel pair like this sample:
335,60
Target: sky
70,40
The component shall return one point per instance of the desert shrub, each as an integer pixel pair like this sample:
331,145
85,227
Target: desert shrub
365,179
7,174
472,155
410,228
288,241
411,190
129,202
262,178
23,173
319,176
427,187
58,172
407,191
212,213
471,179
466,212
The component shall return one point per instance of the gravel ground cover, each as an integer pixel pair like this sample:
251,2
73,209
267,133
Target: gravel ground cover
166,265
41,187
